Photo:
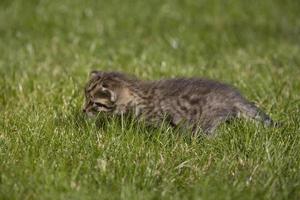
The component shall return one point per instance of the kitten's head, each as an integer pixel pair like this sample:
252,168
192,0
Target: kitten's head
102,92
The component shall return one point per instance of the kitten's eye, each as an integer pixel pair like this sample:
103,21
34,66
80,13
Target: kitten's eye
102,105
105,85
102,94
99,104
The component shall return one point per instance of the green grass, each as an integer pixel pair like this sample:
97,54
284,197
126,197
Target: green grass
49,150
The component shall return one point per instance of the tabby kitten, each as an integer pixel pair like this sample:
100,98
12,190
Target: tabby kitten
189,102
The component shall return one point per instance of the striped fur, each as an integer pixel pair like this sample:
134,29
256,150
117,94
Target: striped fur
191,102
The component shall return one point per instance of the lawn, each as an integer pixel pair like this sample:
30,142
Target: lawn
50,150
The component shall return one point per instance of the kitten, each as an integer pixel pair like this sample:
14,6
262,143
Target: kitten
188,102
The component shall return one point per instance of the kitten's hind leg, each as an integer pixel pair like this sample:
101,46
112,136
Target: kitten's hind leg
209,128
212,122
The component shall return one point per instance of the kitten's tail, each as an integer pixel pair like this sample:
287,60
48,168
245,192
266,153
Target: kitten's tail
249,110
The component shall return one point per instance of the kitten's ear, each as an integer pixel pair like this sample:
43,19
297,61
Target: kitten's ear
95,73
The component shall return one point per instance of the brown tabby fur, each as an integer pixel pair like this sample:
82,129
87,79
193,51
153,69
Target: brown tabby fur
191,102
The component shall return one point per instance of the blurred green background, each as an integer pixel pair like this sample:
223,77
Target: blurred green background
48,150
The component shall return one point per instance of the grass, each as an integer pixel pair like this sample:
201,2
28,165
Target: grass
49,150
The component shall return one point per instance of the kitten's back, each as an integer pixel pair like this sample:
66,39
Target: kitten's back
206,101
